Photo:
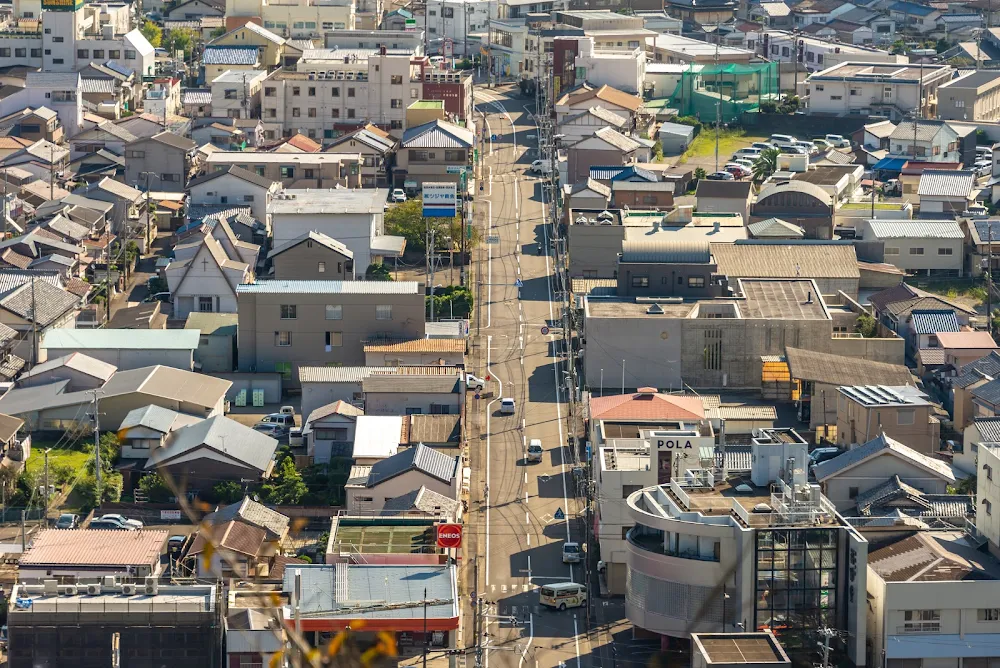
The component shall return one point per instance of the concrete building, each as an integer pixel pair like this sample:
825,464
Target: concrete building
724,197
236,93
902,413
456,21
216,352
235,186
301,21
624,69
685,50
124,348
285,325
853,88
988,493
925,246
818,53
974,96
860,469
313,256
294,170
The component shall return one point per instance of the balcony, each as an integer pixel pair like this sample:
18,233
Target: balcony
654,543
918,627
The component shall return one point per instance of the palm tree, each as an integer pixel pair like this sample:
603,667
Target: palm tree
766,164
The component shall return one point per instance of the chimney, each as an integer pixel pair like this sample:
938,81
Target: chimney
809,297
715,226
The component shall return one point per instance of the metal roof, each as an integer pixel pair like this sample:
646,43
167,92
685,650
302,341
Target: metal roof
355,374
877,446
196,96
156,418
438,134
78,362
94,547
884,395
619,173
666,251
412,384
230,55
946,183
931,322
418,458
330,288
377,436
833,369
313,201
222,435
120,339
988,428
790,259
433,429
775,228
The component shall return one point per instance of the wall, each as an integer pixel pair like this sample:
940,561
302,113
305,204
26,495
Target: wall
315,395
126,359
303,261
231,190
922,435
397,486
352,230
399,403
891,350
650,358
269,382
931,259
988,490
876,471
593,249
215,354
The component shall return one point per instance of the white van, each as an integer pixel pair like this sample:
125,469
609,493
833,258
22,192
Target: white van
563,595
782,140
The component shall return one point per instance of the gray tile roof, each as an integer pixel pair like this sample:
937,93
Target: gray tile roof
988,393
875,447
222,435
14,278
616,139
411,384
254,513
424,500
989,429
926,131
330,287
50,302
946,183
419,458
775,228
930,322
988,366
318,237
196,96
438,134
234,170
174,141
230,55
156,418
618,173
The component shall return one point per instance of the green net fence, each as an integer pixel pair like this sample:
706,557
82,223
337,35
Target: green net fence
731,87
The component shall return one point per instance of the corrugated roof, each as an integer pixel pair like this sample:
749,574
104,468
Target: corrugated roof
355,374
915,229
436,384
666,251
330,288
94,547
930,322
78,362
421,458
841,370
120,339
438,134
433,429
988,428
946,183
391,345
877,446
786,260
196,96
230,55
618,172
775,228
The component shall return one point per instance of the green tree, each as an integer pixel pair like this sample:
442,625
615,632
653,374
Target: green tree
181,39
111,489
452,301
228,491
942,45
699,173
110,452
155,488
657,152
219,32
898,47
152,32
378,272
285,487
866,326
766,164
406,220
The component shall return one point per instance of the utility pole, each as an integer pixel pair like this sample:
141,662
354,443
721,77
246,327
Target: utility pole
431,258
989,277
425,627
827,633
34,325
52,171
97,443
718,91
45,493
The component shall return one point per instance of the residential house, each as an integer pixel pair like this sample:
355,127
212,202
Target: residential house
196,102
376,438
279,320
724,196
969,377
926,315
270,45
377,149
407,395
145,429
294,170
415,352
218,59
982,235
933,247
925,328
205,279
862,468
936,141
915,17
95,553
973,96
985,399
946,191
165,157
369,487
322,385
236,186
216,351
51,407
606,146
853,88
124,348
236,94
196,9
110,88
82,371
14,450
313,256
978,432
586,194
328,431
902,413
584,123
140,316
223,228
621,104
433,152
811,12
965,347
34,308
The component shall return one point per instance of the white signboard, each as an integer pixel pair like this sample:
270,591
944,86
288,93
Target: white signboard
440,200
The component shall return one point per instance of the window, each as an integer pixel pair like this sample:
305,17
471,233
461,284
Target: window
350,113
383,312
135,154
334,312
988,504
905,417
819,88
251,661
413,93
628,490
170,177
395,125
270,91
836,97
945,251
784,51
810,56
58,40
206,304
960,104
989,471
916,251
248,198
287,172
289,312
311,91
852,492
296,112
36,53
272,113
988,615
395,103
321,267
447,12
312,112
282,339
310,174
230,94
114,54
855,92
891,250
129,54
296,90
922,615
19,53
83,53
640,281
58,61
335,113
98,53
696,281
335,92
350,92
712,355
396,80
334,340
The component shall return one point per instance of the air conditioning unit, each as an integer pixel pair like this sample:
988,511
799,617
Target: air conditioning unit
128,590
93,589
68,590
152,585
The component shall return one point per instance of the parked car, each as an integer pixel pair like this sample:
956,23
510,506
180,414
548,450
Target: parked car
534,450
68,521
838,141
284,419
473,382
984,167
738,170
398,195
748,152
745,162
272,429
540,167
175,544
114,517
762,145
820,455
287,410
807,147
782,140
720,176
108,525
823,144
797,150
571,553
507,406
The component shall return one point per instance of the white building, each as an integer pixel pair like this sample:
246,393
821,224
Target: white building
622,69
988,494
353,217
298,20
456,20
236,93
203,279
857,88
817,54
235,186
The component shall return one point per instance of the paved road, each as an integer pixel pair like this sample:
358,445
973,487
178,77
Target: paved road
518,540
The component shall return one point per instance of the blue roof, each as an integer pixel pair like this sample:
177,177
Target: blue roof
890,164
931,322
620,173
230,55
911,8
119,68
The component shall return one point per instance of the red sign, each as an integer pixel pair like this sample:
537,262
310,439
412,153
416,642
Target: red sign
449,535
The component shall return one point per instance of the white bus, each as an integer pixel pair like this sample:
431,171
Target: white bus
563,595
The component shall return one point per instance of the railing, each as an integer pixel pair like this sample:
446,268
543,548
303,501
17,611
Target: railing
681,495
919,627
847,335
655,544
741,512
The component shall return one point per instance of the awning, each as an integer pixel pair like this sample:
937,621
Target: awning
386,245
938,646
890,164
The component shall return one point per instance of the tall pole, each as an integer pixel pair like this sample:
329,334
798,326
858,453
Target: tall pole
718,105
52,171
623,376
989,278
34,325
45,493
425,627
97,445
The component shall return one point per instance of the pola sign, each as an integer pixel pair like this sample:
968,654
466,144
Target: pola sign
449,535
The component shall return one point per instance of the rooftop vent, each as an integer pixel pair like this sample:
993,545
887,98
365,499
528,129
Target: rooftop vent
655,309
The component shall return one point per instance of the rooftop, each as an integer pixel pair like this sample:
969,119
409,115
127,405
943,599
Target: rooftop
383,536
786,259
736,648
330,288
175,599
832,369
878,446
377,436
966,340
882,72
119,339
793,299
884,396
94,547
328,200
646,404
932,557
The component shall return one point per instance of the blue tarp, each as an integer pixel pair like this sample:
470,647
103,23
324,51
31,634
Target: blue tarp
890,164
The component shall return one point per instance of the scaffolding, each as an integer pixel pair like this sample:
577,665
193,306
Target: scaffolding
735,89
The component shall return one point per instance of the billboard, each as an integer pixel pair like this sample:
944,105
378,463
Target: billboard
62,5
440,200
449,535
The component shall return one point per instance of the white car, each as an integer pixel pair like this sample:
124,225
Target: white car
474,382
748,152
507,406
838,141
398,195
744,162
571,553
762,145
535,450
540,167
738,170
823,144
720,176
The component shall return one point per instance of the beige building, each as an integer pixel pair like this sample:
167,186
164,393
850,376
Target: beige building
294,170
972,97
288,324
901,412
971,376
888,89
270,46
436,152
369,487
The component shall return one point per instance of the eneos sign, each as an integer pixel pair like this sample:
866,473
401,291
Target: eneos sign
449,535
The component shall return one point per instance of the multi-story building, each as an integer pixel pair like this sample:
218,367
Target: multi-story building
236,93
813,54
290,19
858,88
901,412
454,21
974,96
294,170
700,557
285,325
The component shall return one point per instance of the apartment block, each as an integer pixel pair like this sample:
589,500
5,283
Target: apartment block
858,88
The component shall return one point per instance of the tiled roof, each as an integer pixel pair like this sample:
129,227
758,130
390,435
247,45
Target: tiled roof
230,55
392,345
254,513
915,229
832,369
926,130
590,184
318,237
422,499
988,393
605,93
988,428
775,228
174,141
774,259
898,293
49,302
902,309
13,278
646,405
250,448
421,458
931,356
303,143
77,361
929,322
946,183
616,139
94,547
599,112
877,446
234,536
987,366
438,134
234,170
196,96
617,172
